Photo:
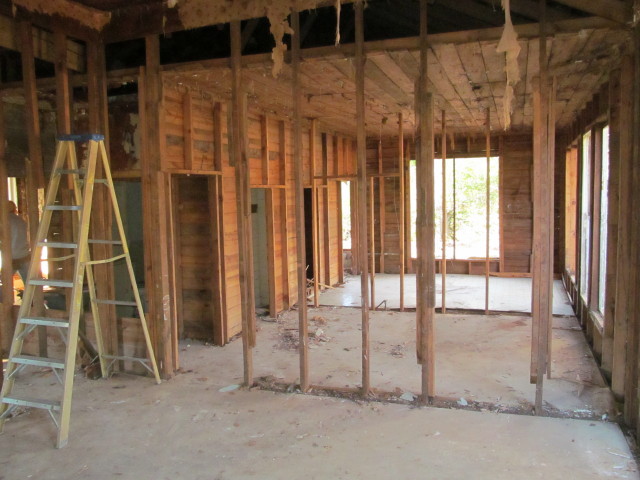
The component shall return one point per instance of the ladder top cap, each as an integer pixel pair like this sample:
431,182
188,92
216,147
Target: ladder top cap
81,138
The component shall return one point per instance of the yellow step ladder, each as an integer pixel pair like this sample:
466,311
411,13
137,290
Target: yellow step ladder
15,393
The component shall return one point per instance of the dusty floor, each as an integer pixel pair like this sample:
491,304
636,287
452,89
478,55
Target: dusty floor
128,427
463,292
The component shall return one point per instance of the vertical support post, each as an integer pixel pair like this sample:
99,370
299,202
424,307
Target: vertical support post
551,151
243,201
315,223
443,265
362,193
372,245
161,310
7,257
101,218
63,117
303,326
284,216
403,206
623,277
542,223
339,170
488,211
425,280
35,172
381,209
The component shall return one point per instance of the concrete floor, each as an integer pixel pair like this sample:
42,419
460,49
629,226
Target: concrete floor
128,427
463,292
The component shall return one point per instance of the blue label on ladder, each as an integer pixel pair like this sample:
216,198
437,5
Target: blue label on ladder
81,138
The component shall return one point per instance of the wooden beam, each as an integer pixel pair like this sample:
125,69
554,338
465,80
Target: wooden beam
154,204
32,116
550,199
242,200
326,230
90,17
614,10
613,189
338,168
43,44
631,399
425,277
443,265
35,172
270,210
401,220
315,223
623,277
543,223
381,213
487,210
284,216
372,243
362,193
303,324
7,257
187,129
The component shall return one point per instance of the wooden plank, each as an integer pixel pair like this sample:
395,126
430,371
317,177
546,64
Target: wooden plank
239,161
407,204
63,120
632,306
35,172
271,251
487,209
401,220
443,265
359,62
613,189
303,326
187,128
381,211
326,233
372,246
616,11
550,201
7,257
31,102
315,224
264,148
338,155
284,227
425,276
101,216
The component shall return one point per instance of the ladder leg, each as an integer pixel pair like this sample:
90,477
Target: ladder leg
95,312
134,285
76,301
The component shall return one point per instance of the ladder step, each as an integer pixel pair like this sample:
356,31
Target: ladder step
37,361
116,302
32,402
58,244
71,171
46,321
74,208
51,283
105,242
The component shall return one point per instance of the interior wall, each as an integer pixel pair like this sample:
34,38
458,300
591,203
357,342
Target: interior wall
195,138
516,208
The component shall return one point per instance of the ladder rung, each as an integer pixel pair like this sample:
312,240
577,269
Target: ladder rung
37,361
63,207
103,181
46,321
106,242
32,402
71,171
58,244
51,283
116,302
125,358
